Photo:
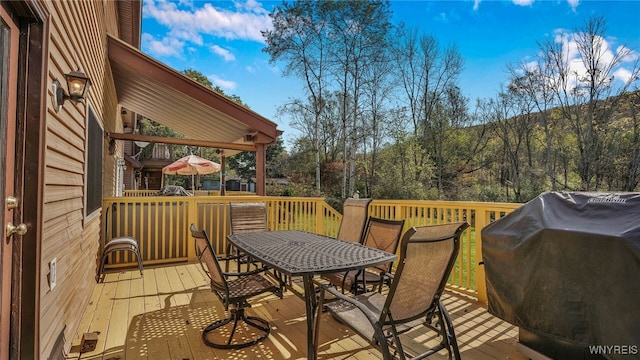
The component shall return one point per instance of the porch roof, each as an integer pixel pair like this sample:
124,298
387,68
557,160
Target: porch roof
160,93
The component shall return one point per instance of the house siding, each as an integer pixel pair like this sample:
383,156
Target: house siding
78,33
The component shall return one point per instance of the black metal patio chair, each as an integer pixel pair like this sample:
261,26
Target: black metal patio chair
427,257
234,293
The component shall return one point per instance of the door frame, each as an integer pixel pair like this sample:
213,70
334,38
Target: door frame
31,109
10,39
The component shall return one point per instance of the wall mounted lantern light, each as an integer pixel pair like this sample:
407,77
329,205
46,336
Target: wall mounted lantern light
78,84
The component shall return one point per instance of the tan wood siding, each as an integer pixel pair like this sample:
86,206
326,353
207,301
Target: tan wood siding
78,31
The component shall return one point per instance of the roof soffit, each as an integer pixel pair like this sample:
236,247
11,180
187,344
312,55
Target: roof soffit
160,93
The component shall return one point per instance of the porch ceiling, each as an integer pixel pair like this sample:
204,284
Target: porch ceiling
160,93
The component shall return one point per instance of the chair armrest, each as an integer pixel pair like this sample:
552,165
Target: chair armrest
373,319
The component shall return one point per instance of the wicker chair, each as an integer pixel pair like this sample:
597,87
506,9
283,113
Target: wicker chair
354,220
427,256
234,292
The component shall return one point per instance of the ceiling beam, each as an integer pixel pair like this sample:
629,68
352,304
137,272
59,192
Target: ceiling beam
177,141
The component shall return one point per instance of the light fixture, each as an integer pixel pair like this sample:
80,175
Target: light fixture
112,146
77,83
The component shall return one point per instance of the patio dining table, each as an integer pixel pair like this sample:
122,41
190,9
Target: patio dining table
299,253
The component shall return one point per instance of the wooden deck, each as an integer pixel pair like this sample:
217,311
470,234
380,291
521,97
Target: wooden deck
161,315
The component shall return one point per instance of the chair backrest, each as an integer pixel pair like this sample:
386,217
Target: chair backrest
209,261
248,217
383,235
427,256
354,219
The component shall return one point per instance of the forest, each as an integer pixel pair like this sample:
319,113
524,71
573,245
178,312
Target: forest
382,114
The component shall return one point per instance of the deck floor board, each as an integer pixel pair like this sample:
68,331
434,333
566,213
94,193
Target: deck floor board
161,316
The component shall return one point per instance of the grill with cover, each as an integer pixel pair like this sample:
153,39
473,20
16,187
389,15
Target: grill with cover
565,268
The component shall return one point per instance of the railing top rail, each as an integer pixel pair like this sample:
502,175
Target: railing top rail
448,203
229,198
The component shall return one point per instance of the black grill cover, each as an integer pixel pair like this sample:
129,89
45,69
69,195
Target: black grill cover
567,265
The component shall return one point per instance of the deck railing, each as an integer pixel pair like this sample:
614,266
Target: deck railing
139,193
160,224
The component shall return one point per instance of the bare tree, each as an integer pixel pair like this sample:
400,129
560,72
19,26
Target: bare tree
359,32
325,42
587,91
377,89
531,82
428,75
513,124
298,39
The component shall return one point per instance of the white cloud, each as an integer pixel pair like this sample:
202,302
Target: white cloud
623,75
187,35
476,4
531,66
164,47
628,54
573,3
252,6
224,53
245,23
605,57
224,84
569,46
522,2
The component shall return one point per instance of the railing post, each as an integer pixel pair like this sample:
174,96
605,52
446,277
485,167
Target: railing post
320,210
481,287
191,219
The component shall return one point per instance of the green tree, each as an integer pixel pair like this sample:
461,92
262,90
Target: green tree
200,78
326,42
244,163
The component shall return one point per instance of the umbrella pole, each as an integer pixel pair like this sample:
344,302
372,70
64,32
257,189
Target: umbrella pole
193,184
161,181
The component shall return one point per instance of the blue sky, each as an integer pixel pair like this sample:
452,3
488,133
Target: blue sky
222,40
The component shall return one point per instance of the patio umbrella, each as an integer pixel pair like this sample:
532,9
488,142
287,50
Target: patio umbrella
191,165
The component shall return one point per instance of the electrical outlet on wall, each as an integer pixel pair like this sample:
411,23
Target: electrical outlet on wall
53,270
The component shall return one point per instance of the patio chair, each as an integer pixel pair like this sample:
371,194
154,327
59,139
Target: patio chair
246,217
233,293
354,220
124,243
427,256
383,235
